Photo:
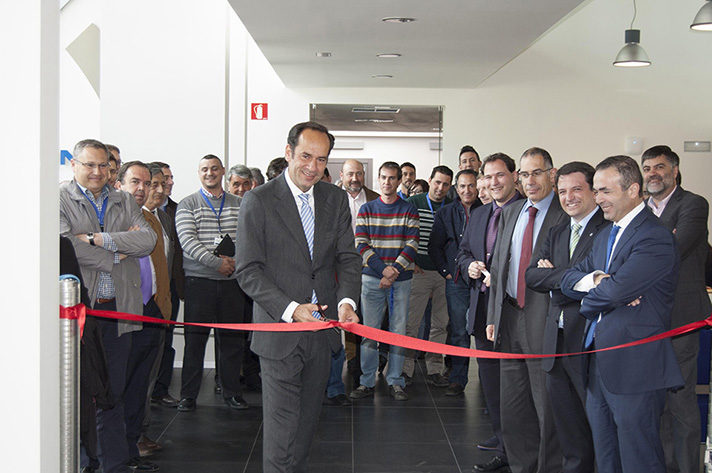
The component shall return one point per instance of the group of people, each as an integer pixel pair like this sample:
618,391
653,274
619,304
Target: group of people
524,258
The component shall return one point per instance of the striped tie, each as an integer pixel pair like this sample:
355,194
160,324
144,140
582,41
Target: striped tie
575,237
307,216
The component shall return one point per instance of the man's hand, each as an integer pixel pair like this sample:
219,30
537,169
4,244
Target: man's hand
303,313
385,283
227,266
474,270
599,277
635,302
544,263
417,270
347,314
389,272
489,331
488,278
449,276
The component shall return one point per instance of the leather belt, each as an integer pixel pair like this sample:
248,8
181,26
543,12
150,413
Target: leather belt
105,301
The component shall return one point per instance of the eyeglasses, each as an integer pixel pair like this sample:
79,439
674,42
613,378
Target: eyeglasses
93,166
536,173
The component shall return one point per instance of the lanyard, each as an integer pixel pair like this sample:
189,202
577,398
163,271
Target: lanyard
222,204
99,215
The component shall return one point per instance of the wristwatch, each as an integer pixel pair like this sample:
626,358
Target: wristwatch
90,237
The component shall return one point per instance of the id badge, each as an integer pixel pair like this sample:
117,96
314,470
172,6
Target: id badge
217,240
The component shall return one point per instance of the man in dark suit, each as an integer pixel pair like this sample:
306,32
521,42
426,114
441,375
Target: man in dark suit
626,285
295,255
685,214
566,245
475,255
516,317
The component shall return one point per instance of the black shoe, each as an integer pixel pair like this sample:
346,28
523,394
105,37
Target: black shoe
354,369
495,464
408,379
186,405
236,402
454,389
166,400
218,387
438,380
338,400
397,392
139,464
491,443
382,361
361,392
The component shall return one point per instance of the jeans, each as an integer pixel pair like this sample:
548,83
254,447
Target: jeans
458,301
373,306
336,383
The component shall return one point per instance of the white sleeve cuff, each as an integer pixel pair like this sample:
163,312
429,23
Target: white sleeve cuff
586,283
288,314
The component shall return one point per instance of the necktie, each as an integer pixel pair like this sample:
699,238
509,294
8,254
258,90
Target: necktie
307,216
492,231
609,249
146,279
525,256
575,237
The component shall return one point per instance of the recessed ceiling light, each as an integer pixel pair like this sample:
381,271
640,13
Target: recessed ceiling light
323,54
382,76
388,55
397,19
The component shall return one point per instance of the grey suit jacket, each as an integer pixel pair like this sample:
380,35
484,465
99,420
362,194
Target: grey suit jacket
537,303
273,264
76,216
686,216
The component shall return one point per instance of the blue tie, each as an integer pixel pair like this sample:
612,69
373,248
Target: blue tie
307,216
609,249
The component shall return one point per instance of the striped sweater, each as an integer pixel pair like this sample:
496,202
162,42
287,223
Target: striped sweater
197,228
387,235
427,218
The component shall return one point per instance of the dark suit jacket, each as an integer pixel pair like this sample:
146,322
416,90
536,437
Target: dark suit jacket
445,237
548,280
686,216
645,262
537,305
176,271
273,264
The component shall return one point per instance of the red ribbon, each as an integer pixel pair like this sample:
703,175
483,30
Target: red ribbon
78,313
367,332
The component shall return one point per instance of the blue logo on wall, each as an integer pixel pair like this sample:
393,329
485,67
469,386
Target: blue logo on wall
64,156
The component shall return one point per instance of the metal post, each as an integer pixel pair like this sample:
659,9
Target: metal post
69,378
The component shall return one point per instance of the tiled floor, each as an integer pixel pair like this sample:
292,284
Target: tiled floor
430,432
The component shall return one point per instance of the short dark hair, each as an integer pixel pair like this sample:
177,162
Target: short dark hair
577,166
326,172
509,162
162,164
276,167
89,143
155,168
407,165
112,158
465,172
661,150
442,169
257,176
299,128
211,156
628,170
534,151
125,167
393,166
469,149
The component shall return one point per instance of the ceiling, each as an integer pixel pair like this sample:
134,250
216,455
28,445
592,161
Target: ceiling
422,119
452,43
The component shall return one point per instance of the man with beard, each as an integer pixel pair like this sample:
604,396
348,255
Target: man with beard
352,180
685,214
408,172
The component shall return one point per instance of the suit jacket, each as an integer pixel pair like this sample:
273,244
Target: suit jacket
645,264
160,266
537,305
686,216
76,216
370,195
176,265
445,237
274,267
548,280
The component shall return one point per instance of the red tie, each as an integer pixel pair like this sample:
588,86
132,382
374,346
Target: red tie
525,256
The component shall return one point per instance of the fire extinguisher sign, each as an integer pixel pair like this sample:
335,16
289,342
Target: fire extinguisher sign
259,111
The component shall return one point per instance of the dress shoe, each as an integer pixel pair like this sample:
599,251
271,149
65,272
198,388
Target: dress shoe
361,392
495,464
146,446
139,464
218,387
438,380
166,400
454,389
338,400
186,405
236,402
397,392
491,443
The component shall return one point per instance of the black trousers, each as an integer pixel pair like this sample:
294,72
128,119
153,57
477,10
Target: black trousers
213,301
165,371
